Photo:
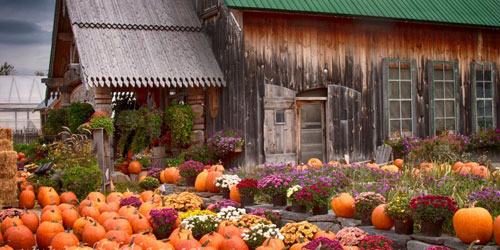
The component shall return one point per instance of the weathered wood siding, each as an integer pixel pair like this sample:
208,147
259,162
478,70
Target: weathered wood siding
293,51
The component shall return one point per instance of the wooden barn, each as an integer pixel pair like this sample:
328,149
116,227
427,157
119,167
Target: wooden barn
329,79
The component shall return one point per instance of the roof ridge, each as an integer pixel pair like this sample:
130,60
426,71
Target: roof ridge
137,26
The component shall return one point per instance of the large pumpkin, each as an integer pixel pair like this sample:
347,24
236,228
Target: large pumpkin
201,179
398,163
233,243
51,215
114,197
214,240
10,222
481,171
171,175
234,194
496,230
315,163
210,183
474,223
46,232
69,216
134,167
63,240
343,205
188,243
119,236
68,197
27,199
47,196
457,166
80,224
179,234
92,233
380,219
31,220
107,216
20,237
217,167
162,177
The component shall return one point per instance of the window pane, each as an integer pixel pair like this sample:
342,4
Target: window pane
405,90
480,108
438,90
439,124
449,90
450,125
479,75
479,90
480,122
405,74
487,75
395,128
488,122
438,74
406,109
488,108
488,90
406,128
394,108
394,74
439,109
448,74
394,90
450,109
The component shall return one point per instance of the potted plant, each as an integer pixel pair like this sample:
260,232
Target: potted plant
163,221
298,205
379,242
226,141
324,244
364,204
315,197
247,189
399,210
275,186
273,216
159,145
431,211
200,225
225,182
259,233
189,170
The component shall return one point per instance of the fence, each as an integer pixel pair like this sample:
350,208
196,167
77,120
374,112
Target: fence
26,136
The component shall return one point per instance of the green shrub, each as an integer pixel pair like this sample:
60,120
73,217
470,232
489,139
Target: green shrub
180,122
149,183
82,180
174,162
138,128
44,181
103,122
56,119
78,114
128,186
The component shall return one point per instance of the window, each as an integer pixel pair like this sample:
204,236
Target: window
443,97
279,117
483,96
400,98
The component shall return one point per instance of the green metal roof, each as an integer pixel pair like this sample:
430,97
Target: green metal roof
468,12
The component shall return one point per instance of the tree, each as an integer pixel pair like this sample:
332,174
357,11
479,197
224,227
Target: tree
39,73
6,69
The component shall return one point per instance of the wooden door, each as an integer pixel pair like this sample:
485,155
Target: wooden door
311,127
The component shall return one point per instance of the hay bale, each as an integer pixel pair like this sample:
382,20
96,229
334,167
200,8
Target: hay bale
8,192
6,145
6,134
8,164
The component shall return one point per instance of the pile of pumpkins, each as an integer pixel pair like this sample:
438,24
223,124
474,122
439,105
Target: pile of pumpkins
473,224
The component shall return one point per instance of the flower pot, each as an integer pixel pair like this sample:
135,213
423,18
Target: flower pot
432,229
404,226
320,210
190,181
159,151
162,234
279,200
225,193
297,208
366,218
247,200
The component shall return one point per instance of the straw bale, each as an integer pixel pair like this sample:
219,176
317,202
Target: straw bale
6,145
8,166
6,134
8,192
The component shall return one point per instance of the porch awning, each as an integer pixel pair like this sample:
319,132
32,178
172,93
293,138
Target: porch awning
142,43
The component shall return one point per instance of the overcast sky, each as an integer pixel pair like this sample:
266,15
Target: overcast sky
26,34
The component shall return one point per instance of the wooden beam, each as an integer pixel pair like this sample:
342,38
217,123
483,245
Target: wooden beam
65,37
53,82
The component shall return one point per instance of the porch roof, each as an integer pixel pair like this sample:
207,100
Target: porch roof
142,43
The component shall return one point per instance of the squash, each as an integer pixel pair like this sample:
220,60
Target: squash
114,197
119,236
27,199
473,223
134,167
372,165
481,171
210,183
172,175
10,222
179,234
233,242
188,243
274,243
51,215
80,224
141,224
391,168
47,196
90,211
217,167
109,207
107,244
46,232
325,234
380,219
214,240
201,179
457,166
69,216
68,197
234,194
107,216
30,220
343,205
92,233
300,245
398,163
315,163
63,240
20,237
496,230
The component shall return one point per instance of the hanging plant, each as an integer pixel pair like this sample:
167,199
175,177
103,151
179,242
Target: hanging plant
138,128
179,119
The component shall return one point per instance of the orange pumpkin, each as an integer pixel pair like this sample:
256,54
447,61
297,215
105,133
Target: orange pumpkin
398,163
30,220
315,163
214,240
127,211
119,236
80,224
372,165
118,223
343,205
64,206
107,244
210,183
63,240
109,207
457,166
274,243
201,179
92,233
230,230
90,211
217,167
27,199
20,237
51,207
234,194
172,175
473,223
134,167
300,245
380,219
69,216
114,197
179,234
325,234
106,216
140,224
51,215
481,171
146,207
496,230
231,242
132,246
188,243
46,232
96,197
47,196
68,197
10,222
162,177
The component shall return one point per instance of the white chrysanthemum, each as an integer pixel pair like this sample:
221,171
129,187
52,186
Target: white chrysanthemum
227,181
292,190
231,213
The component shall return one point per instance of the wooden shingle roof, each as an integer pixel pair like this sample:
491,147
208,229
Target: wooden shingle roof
142,43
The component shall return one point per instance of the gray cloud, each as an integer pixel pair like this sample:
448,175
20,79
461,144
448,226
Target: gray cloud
22,32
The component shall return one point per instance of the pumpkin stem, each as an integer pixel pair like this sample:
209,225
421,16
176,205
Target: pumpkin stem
471,246
205,244
268,242
473,204
227,236
301,240
131,242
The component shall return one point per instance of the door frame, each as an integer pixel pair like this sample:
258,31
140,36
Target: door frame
299,103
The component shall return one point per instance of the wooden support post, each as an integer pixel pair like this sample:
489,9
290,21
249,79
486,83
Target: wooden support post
196,99
102,146
103,99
